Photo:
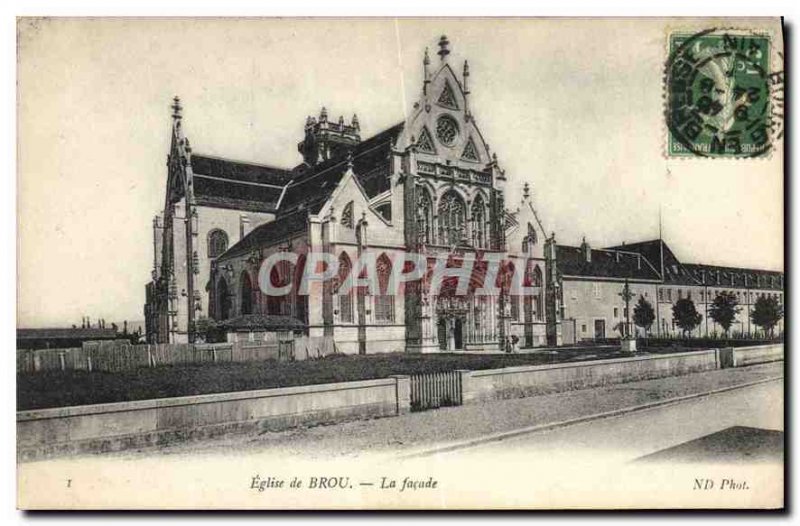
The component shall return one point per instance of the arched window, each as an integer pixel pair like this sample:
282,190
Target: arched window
451,219
424,217
217,243
347,215
345,300
538,298
247,295
384,301
222,309
280,276
478,223
529,240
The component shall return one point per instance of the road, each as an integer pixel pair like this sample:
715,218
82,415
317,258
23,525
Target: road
640,433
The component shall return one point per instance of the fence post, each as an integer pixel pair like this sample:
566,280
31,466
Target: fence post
467,394
402,393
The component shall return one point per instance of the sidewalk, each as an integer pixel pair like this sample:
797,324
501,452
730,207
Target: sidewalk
417,431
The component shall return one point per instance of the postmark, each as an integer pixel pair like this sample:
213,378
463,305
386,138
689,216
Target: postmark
719,91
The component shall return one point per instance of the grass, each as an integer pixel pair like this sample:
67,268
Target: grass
70,388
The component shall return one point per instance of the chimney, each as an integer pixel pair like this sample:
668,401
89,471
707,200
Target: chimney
586,250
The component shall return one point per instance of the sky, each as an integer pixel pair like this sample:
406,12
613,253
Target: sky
573,107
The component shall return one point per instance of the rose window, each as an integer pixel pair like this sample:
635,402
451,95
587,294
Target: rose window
446,130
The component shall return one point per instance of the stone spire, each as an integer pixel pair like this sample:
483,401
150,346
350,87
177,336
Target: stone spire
323,115
526,191
466,87
354,123
426,62
177,109
443,51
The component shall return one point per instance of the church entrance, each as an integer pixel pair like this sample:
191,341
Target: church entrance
451,333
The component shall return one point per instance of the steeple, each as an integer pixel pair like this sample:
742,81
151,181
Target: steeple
426,62
443,51
177,109
465,76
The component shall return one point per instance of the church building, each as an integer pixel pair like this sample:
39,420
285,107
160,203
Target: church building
428,185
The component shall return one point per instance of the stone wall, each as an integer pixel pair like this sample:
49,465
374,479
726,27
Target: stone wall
517,382
115,426
742,356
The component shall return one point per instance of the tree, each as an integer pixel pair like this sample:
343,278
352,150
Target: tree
644,315
685,315
766,313
724,309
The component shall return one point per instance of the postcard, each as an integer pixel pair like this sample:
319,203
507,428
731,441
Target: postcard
411,263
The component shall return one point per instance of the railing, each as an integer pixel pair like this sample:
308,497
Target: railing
432,390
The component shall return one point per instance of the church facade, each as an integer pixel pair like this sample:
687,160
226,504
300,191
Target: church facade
429,185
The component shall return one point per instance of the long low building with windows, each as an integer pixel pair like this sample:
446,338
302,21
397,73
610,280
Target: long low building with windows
592,282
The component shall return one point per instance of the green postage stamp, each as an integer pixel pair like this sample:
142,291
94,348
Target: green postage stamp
718,94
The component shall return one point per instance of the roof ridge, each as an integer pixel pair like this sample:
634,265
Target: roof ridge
241,161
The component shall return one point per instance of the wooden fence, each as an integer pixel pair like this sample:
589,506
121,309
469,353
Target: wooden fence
432,390
117,356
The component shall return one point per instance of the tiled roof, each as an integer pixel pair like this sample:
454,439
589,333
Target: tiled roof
239,171
225,183
262,321
677,273
269,233
66,334
237,195
733,277
312,188
603,264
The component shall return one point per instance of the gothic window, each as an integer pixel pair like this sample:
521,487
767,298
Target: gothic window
223,308
478,223
347,215
425,142
280,276
384,300
538,297
247,294
447,98
446,130
514,299
451,213
217,243
424,217
345,300
470,152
